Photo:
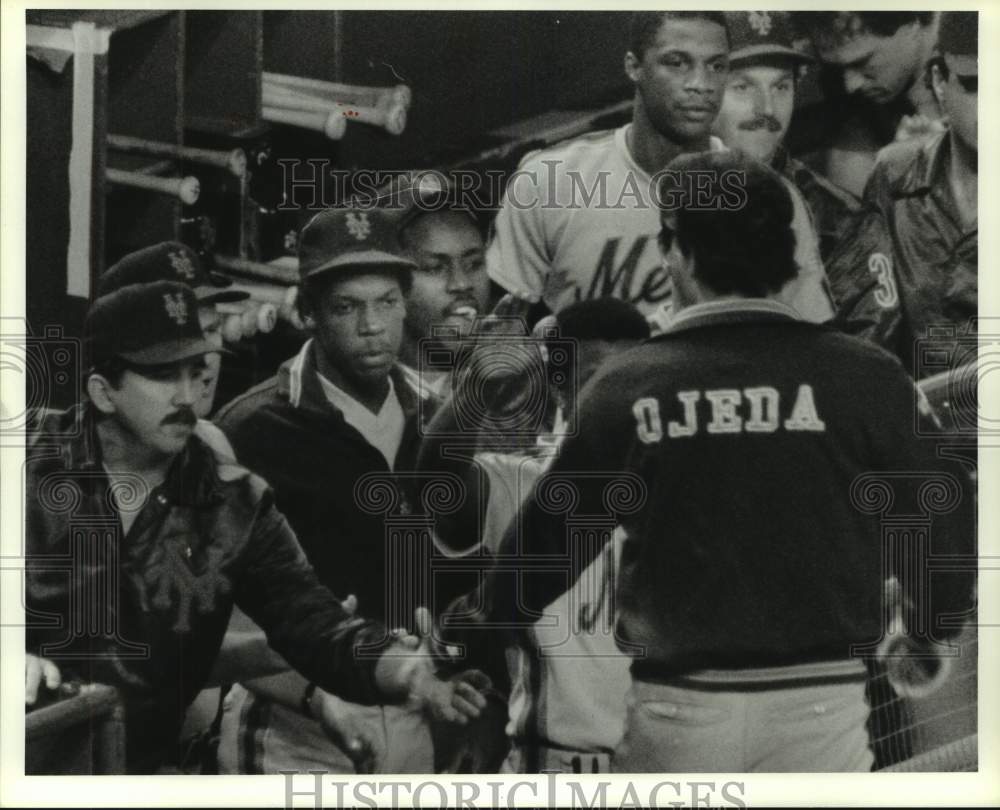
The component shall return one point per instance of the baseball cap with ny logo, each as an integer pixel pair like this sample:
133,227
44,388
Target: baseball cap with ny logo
351,237
146,324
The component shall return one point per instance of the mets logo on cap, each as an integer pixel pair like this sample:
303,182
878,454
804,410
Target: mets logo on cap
181,263
760,22
358,225
176,307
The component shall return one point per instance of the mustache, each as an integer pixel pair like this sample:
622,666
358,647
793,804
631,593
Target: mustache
768,122
185,416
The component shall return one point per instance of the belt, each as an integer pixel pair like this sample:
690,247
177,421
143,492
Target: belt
818,673
542,758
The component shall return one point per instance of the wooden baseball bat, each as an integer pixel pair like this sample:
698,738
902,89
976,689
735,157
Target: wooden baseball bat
364,95
267,318
234,161
332,125
254,317
278,294
187,189
390,118
232,328
267,273
281,298
283,94
939,387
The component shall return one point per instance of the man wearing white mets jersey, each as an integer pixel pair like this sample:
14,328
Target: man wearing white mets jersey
752,572
568,678
580,219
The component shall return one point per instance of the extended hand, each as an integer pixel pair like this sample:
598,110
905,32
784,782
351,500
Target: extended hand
406,671
509,317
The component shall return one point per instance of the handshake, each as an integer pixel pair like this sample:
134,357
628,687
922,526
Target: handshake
406,673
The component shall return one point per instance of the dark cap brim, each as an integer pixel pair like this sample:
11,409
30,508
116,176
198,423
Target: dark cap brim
215,295
171,351
361,259
767,50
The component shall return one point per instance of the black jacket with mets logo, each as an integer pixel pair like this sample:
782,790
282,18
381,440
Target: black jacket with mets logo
146,610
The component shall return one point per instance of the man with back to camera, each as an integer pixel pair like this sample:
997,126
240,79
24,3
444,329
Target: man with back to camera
341,410
580,220
926,193
873,73
746,586
131,488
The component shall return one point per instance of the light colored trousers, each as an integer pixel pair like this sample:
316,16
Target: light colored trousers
690,730
259,736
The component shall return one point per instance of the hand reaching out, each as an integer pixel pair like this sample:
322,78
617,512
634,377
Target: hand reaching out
509,317
406,671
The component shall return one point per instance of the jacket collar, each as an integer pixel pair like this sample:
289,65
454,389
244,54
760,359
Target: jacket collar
192,478
298,383
730,311
782,162
83,450
927,171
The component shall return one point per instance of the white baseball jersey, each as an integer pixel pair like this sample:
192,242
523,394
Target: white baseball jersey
580,221
568,691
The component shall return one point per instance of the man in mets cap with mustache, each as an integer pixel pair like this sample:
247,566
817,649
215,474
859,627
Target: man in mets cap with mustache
175,261
757,108
158,534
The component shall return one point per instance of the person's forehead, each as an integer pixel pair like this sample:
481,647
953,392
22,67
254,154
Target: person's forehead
175,368
696,36
440,225
363,286
761,74
849,50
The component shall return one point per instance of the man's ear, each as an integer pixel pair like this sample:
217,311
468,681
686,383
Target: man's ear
633,67
98,390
